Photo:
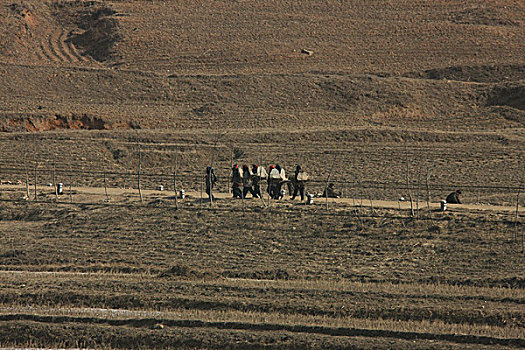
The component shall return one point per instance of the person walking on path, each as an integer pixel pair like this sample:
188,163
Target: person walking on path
299,182
236,182
247,182
258,174
211,179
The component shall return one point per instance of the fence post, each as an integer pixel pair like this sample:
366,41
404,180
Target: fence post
230,170
408,182
427,180
200,202
70,183
328,180
175,181
36,180
27,175
243,203
516,214
54,177
106,185
140,166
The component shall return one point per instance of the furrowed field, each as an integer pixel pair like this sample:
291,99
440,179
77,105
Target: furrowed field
387,100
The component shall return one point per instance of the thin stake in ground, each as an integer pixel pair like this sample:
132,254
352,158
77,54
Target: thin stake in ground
516,213
408,181
139,171
54,176
70,183
175,181
427,185
106,185
230,171
27,175
36,180
200,202
328,180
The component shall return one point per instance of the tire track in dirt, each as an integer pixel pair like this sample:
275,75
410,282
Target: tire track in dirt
72,50
68,49
331,331
63,48
54,46
45,53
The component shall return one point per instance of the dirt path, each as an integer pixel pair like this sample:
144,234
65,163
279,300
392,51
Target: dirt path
117,195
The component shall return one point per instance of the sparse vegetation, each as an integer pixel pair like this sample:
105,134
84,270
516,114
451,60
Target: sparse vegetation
386,99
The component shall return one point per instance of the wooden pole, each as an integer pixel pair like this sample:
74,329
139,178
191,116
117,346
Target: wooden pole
328,180
200,202
209,180
106,185
242,199
418,191
262,193
70,184
139,170
269,188
175,181
27,175
516,214
408,181
54,177
427,185
36,180
260,179
230,171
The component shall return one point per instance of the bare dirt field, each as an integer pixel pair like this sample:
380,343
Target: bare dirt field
294,276
386,99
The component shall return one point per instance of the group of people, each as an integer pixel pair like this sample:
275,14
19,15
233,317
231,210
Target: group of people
250,178
247,180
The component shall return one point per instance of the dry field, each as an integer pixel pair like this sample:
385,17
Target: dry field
382,98
292,277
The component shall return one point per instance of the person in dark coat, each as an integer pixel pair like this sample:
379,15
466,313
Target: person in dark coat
330,192
272,183
298,185
278,184
256,181
211,179
236,182
453,198
247,182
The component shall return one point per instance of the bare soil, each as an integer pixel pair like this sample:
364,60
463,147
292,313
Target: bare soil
385,99
218,275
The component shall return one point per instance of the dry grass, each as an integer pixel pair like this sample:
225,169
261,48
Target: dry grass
441,80
272,318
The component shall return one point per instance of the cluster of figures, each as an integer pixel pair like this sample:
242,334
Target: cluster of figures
250,178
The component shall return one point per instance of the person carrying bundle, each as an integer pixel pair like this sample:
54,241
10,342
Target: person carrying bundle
283,179
299,182
247,182
236,182
258,174
274,182
453,198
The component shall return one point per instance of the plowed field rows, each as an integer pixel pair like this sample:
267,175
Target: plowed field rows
385,99
329,280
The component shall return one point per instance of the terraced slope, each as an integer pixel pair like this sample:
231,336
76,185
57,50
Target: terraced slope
380,97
